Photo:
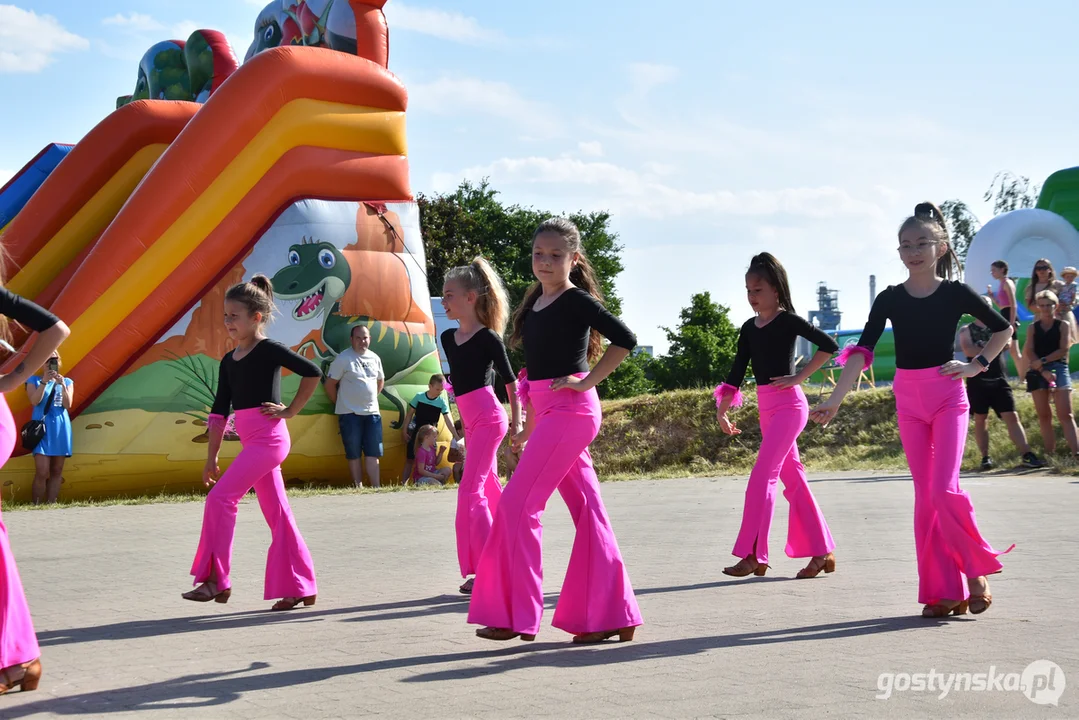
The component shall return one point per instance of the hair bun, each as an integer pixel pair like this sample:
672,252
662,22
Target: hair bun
930,211
263,283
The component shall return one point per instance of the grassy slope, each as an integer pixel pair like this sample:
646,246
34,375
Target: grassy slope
675,434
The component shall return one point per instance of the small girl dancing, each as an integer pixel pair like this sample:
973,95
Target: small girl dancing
475,297
250,383
932,408
559,324
768,340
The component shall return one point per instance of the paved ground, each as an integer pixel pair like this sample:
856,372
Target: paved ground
388,635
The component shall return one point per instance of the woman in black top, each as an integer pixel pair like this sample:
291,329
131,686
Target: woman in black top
768,340
1046,349
559,323
19,652
932,407
474,296
250,385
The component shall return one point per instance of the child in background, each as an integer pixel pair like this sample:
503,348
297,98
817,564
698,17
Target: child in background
457,454
425,409
426,469
1068,293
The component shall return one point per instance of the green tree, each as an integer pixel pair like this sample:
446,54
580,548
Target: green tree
702,347
963,225
1006,192
629,379
471,221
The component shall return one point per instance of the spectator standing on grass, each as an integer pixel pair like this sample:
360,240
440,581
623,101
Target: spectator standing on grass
1047,346
991,391
355,381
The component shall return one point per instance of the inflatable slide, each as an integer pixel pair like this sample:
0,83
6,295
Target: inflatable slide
294,166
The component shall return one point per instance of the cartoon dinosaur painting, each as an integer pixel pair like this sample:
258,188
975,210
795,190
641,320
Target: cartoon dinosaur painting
319,279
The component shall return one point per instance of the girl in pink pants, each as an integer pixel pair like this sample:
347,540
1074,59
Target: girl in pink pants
559,324
474,296
931,403
250,382
19,653
768,341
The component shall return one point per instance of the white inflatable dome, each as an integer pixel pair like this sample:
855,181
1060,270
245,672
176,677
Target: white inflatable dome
1020,238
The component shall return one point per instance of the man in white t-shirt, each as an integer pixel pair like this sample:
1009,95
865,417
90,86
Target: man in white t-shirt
354,383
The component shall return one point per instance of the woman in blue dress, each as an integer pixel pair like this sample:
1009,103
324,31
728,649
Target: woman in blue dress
55,448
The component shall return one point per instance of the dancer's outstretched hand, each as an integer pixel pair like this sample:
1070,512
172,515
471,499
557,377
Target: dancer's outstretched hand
726,425
276,411
786,381
211,472
824,413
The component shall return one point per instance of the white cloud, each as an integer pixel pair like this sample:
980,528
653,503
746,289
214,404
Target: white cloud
628,192
183,29
592,149
646,76
441,24
133,21
460,96
29,41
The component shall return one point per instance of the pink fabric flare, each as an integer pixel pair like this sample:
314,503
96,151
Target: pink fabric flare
480,490
289,569
724,389
449,388
216,422
18,643
933,418
522,388
508,592
851,350
783,415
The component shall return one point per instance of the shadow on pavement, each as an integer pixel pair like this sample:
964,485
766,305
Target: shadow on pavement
217,689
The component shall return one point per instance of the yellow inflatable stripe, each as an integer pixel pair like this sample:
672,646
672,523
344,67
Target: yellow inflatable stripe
97,213
300,122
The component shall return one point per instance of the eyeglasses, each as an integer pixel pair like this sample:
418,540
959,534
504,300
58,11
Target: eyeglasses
1047,306
1041,268
916,249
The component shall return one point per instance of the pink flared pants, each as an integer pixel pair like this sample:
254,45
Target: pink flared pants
933,419
596,594
783,416
479,492
18,643
289,570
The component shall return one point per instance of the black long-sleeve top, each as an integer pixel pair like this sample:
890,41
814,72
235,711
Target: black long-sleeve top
924,328
472,361
771,348
256,377
556,337
25,312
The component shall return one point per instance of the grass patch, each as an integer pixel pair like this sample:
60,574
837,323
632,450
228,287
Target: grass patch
675,434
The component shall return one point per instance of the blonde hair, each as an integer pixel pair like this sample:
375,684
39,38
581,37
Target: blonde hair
424,432
492,301
1047,295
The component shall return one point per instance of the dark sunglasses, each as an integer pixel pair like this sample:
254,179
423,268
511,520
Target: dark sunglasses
1040,268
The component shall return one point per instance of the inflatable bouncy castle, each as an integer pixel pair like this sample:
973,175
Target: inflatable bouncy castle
292,164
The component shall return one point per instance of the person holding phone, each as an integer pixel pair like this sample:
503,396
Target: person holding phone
51,394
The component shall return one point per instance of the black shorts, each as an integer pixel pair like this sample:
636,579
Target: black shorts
986,395
410,446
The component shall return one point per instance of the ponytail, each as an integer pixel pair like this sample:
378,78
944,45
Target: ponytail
767,268
929,216
256,295
582,275
492,301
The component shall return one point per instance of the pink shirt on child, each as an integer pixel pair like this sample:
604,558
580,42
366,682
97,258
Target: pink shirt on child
425,459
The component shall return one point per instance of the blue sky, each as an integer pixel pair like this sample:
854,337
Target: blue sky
711,130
